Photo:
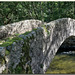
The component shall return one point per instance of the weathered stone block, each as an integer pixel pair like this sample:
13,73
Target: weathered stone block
2,51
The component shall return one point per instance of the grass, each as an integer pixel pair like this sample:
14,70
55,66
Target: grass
62,64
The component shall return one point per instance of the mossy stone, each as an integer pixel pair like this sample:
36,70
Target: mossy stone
7,52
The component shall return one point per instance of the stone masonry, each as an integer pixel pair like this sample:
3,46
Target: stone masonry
19,27
38,48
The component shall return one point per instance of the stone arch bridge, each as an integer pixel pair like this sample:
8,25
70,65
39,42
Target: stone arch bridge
37,48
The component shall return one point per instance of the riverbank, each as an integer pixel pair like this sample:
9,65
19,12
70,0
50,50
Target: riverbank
62,64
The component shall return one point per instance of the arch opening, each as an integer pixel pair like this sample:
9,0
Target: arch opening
64,60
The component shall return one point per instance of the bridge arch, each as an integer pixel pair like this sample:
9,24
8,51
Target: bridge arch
48,40
62,29
41,45
64,47
67,45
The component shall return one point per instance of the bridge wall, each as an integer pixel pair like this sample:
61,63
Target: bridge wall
37,49
19,27
62,29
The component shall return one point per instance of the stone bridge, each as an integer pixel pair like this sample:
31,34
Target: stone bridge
36,49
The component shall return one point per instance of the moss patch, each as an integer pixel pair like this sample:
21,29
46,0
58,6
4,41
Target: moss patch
26,33
46,29
7,52
10,41
17,70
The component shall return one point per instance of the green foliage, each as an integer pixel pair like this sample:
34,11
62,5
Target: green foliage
10,41
46,30
45,11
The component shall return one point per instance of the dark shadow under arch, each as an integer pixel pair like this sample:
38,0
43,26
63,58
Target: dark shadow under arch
68,44
66,52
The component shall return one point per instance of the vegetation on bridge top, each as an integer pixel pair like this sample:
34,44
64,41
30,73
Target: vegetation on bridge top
8,41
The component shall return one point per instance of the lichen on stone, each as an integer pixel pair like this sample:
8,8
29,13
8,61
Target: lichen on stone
46,30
